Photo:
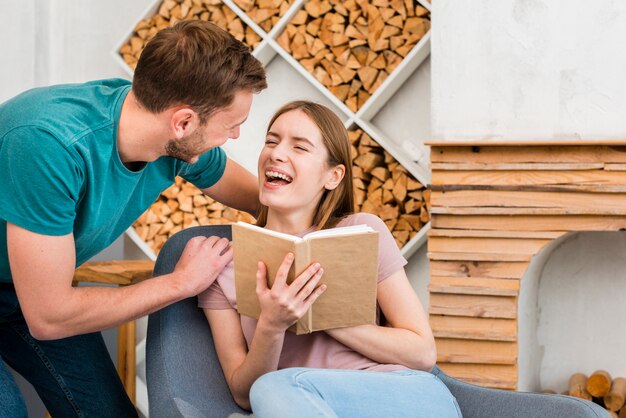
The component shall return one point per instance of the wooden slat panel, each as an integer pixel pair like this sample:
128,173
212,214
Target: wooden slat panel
478,256
528,143
525,178
529,202
494,233
474,286
474,328
487,245
452,350
524,211
501,270
602,203
476,306
592,189
498,376
529,153
492,205
559,223
615,167
440,168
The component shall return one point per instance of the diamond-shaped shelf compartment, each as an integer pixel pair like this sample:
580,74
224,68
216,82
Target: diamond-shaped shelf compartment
265,13
356,54
383,186
166,13
351,47
182,206
409,133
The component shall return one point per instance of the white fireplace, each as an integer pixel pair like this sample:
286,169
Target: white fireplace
572,310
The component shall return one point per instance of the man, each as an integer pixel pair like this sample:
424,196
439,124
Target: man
80,163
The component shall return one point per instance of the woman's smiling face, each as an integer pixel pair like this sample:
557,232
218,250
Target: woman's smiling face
293,166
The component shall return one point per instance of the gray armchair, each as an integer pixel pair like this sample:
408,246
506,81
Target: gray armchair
185,379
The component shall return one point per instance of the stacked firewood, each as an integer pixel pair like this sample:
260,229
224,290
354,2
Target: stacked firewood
172,11
351,46
182,206
382,186
600,388
265,13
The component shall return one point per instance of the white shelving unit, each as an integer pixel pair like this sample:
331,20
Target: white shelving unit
408,150
406,92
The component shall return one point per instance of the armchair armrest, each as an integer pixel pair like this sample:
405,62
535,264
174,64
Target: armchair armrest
476,401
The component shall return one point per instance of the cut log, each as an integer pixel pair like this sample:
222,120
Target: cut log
368,161
340,91
367,75
380,173
614,400
599,383
578,386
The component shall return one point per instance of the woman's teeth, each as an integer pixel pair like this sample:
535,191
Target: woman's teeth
273,176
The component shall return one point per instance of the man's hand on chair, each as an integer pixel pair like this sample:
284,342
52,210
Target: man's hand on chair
202,260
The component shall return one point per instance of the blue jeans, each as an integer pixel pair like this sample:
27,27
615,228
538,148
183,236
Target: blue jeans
304,393
74,376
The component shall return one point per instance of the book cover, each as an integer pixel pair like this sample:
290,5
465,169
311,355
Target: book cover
349,256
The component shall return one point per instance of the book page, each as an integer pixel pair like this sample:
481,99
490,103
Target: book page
270,232
343,230
350,265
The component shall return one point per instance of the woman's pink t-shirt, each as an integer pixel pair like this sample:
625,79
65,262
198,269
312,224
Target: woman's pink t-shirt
317,349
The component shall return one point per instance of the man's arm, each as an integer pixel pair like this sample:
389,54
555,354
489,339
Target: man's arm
237,188
42,267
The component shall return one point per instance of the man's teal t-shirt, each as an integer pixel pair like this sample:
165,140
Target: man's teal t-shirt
60,171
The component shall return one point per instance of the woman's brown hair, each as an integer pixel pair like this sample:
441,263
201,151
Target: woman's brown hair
339,202
197,64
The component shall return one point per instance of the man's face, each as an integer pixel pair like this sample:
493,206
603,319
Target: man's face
219,128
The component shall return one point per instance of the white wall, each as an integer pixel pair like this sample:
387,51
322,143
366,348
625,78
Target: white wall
582,299
529,69
59,41
511,70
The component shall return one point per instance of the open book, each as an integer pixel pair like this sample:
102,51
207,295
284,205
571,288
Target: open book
348,255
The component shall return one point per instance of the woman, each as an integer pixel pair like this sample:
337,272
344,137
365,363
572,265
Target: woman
371,370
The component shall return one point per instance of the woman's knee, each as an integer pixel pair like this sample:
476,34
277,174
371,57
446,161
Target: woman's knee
265,385
264,388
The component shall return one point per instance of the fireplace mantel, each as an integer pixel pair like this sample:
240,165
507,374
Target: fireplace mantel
494,206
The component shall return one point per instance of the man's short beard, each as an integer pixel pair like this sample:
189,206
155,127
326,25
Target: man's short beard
187,148
179,151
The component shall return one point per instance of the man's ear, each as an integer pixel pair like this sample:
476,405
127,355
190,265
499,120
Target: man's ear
183,121
336,175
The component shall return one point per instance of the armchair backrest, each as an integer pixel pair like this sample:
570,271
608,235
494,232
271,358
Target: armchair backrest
183,373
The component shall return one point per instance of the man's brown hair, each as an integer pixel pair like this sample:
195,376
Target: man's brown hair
197,64
339,202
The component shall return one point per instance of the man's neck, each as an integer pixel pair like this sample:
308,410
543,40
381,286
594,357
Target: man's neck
140,134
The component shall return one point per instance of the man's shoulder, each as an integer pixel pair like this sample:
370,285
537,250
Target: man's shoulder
58,92
66,111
